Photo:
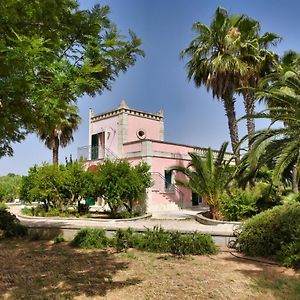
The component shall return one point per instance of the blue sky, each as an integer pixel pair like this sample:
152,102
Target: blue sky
159,81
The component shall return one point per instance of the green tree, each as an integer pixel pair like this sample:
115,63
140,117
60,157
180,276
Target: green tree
56,129
215,64
121,184
10,187
208,177
280,144
54,51
77,184
229,57
260,60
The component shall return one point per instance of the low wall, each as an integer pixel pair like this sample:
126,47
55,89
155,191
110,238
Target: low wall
49,233
206,221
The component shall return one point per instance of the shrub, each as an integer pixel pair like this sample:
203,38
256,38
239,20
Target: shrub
238,206
274,233
58,239
90,238
10,225
153,240
242,204
123,239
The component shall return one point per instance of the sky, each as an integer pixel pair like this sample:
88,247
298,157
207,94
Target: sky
159,81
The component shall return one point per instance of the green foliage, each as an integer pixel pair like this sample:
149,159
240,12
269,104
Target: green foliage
90,238
238,205
274,233
58,187
241,204
121,184
10,225
227,55
208,177
123,239
52,52
58,239
10,187
152,240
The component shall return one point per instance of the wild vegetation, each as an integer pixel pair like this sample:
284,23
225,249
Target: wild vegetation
152,240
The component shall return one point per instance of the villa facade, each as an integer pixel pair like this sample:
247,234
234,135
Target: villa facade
126,133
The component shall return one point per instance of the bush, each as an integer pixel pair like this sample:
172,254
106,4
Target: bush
238,206
274,233
90,238
242,204
58,239
153,240
10,225
124,239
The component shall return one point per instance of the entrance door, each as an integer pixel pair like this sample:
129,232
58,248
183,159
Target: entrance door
196,200
168,180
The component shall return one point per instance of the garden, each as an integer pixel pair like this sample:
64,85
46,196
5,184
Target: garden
44,72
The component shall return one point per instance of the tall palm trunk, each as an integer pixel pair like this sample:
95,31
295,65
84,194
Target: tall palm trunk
294,179
249,101
55,151
229,101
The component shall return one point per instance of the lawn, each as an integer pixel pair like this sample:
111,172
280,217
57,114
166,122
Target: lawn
43,270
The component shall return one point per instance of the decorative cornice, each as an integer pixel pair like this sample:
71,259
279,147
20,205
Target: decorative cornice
129,111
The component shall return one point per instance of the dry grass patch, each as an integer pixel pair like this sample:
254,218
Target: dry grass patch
43,270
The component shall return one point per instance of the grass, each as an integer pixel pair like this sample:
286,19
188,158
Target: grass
44,270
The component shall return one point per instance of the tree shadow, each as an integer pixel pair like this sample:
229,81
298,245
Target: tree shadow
40,270
283,283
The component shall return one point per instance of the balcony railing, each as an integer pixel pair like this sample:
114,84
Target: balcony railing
95,153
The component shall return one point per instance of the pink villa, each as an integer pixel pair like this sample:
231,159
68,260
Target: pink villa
137,136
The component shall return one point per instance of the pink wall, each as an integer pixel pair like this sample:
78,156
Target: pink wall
161,164
132,147
171,148
149,126
109,125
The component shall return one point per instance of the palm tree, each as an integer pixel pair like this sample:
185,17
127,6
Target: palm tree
208,177
215,63
228,57
260,61
58,132
281,144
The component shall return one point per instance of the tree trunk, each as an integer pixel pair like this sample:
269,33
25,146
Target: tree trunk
232,124
249,109
294,181
215,212
55,151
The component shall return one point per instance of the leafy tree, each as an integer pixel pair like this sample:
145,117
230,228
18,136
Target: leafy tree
121,184
208,177
52,51
46,186
9,187
77,184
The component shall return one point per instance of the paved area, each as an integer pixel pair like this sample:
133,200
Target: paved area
178,221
